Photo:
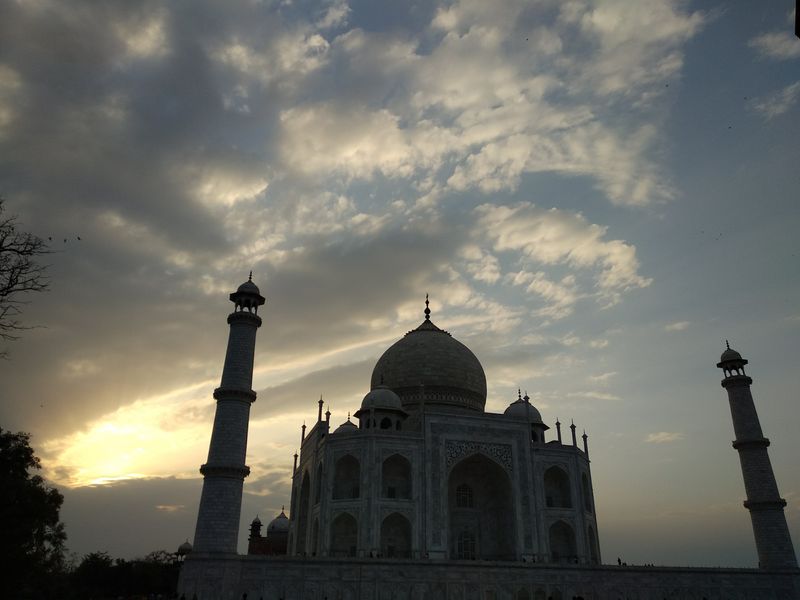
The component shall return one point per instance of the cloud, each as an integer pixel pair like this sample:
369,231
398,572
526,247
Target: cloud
777,45
677,326
593,395
603,377
777,103
556,237
663,437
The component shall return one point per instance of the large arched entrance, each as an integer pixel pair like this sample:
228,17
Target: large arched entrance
396,537
481,511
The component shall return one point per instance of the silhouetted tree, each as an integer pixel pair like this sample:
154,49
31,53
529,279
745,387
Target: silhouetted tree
31,535
20,273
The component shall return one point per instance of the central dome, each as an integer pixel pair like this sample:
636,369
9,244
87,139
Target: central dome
429,361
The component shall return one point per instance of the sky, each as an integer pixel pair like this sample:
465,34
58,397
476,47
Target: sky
594,194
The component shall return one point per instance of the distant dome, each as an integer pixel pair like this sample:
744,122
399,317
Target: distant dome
185,548
279,524
346,427
524,411
430,359
381,397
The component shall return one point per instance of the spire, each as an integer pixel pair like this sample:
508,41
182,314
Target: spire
526,397
427,309
519,395
319,412
558,429
727,345
250,277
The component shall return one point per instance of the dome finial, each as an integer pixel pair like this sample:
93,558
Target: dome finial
250,277
427,309
727,345
519,394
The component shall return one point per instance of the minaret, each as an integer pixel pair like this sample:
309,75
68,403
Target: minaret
224,472
773,543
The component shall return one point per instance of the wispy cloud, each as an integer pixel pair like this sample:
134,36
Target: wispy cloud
777,103
603,377
593,395
777,45
663,437
677,326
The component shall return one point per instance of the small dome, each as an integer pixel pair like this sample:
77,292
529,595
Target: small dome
279,524
346,427
185,548
524,411
248,287
256,521
730,354
381,397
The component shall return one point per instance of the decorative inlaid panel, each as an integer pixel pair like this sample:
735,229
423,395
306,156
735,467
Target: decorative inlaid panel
455,450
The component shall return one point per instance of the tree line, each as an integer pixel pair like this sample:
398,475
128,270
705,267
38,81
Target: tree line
32,543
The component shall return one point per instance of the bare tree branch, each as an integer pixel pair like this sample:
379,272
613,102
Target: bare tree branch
20,273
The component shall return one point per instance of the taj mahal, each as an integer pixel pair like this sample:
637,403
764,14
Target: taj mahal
423,495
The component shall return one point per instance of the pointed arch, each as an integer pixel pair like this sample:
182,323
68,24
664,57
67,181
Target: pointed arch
594,554
557,491
396,537
483,528
396,477
344,535
318,484
302,517
315,537
586,492
562,543
346,478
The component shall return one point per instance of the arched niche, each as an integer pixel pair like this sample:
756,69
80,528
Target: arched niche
346,478
318,484
556,488
396,537
315,538
586,492
302,518
594,554
489,521
562,543
344,535
396,477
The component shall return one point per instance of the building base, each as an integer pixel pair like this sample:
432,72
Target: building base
209,577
